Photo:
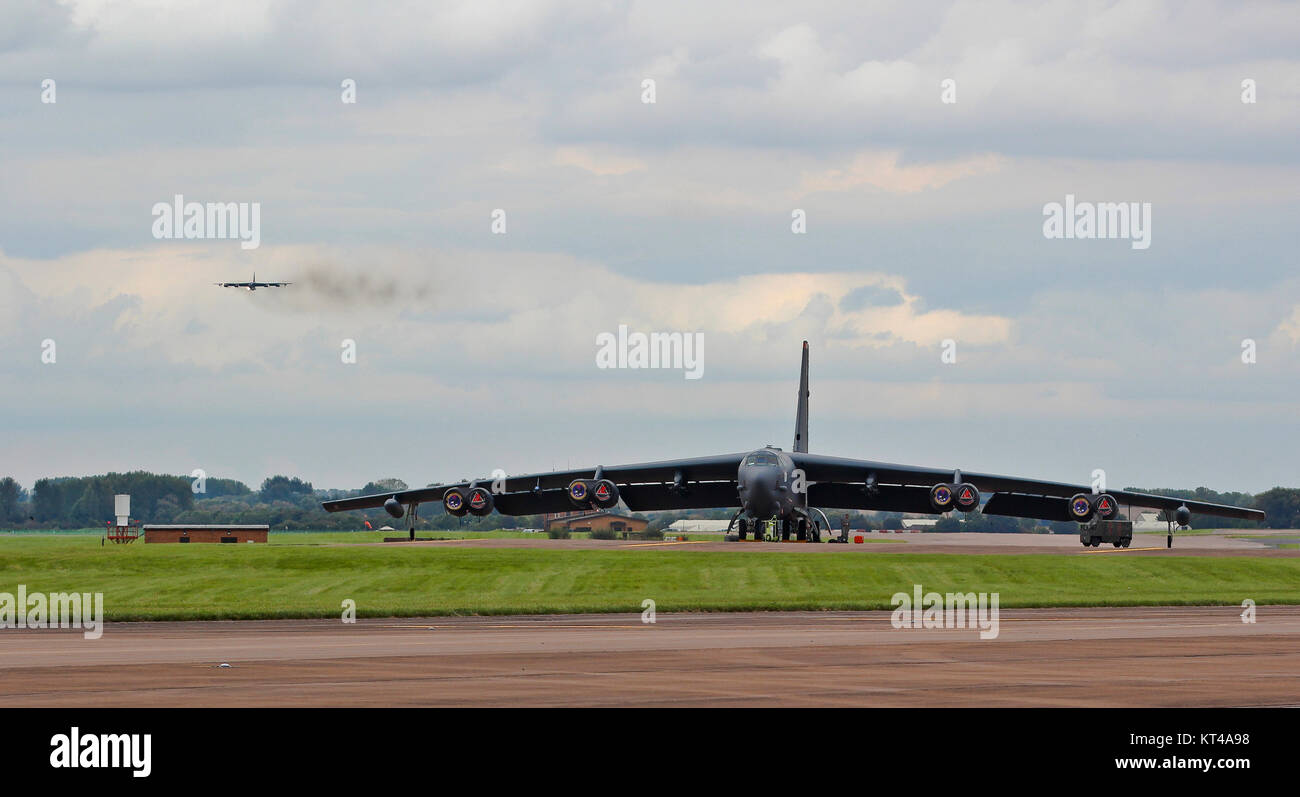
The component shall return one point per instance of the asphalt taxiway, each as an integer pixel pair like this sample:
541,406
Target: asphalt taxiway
1176,656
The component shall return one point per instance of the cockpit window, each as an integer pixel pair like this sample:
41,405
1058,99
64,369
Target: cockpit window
761,458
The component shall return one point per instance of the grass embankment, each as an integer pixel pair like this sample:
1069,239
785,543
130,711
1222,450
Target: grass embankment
261,581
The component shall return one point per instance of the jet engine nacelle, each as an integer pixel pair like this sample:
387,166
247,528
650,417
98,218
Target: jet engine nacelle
968,498
604,493
454,502
393,507
479,501
943,497
586,493
1106,507
580,493
1183,516
1080,508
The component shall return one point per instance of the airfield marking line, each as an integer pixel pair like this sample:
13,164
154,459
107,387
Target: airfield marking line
1213,623
491,627
677,542
1026,619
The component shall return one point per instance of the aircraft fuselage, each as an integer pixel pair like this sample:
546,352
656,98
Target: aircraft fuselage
767,484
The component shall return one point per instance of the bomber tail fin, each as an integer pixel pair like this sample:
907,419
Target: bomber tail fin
801,414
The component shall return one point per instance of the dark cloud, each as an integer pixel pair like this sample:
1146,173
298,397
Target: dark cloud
331,284
870,296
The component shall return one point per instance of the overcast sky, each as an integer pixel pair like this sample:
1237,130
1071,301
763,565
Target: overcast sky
477,350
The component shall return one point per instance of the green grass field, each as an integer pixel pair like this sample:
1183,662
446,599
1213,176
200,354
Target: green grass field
301,580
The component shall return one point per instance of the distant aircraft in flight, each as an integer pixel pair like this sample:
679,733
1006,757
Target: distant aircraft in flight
253,285
788,487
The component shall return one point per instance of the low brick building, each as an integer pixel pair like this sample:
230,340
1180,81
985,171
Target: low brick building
186,532
591,521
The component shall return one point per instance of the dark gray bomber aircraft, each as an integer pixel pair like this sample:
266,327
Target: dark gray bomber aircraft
792,487
253,285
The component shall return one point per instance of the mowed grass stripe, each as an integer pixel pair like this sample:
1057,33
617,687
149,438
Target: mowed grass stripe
250,581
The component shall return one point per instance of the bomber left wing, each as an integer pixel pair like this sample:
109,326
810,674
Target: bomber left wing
862,484
696,483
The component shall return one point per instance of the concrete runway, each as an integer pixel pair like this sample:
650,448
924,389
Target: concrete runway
1179,656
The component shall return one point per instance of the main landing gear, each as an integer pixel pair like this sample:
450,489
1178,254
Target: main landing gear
803,529
746,525
800,528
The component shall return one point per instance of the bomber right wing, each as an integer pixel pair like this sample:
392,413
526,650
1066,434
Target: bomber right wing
843,483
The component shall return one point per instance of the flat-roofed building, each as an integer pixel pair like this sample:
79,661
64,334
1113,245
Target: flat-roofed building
687,525
189,532
592,521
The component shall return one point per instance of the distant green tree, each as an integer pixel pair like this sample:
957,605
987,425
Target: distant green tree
10,496
384,486
93,507
166,510
283,488
147,489
48,499
219,488
1282,505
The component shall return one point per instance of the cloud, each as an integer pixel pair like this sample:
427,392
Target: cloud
1290,327
883,171
601,165
924,224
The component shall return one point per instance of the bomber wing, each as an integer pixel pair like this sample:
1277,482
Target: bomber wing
697,483
862,484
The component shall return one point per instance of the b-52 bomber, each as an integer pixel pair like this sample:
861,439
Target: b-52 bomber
252,285
791,487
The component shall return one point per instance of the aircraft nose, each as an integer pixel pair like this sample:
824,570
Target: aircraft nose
758,490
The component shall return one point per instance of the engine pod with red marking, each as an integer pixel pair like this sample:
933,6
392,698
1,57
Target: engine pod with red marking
454,502
1106,507
479,501
968,498
604,493
942,497
580,492
1080,508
